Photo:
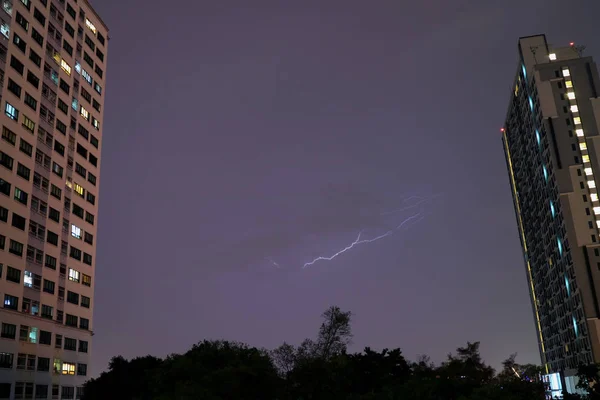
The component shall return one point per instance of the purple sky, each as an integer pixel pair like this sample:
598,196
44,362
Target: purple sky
237,134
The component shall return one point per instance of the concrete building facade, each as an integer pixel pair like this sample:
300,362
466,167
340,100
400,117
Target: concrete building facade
53,57
551,140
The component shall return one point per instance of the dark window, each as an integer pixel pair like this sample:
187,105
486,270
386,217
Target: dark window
92,178
94,141
44,366
82,369
75,253
64,86
4,187
60,126
56,191
71,11
85,302
9,136
71,320
87,258
90,198
45,337
47,312
80,170
100,54
52,238
34,80
9,331
69,29
100,38
54,215
84,323
90,42
93,160
584,198
30,101
17,65
82,131
20,43
88,59
72,297
13,275
77,210
14,88
70,344
39,16
83,346
96,105
50,262
59,148
18,221
6,161
68,48
62,106
82,151
58,339
48,286
25,147
23,171
98,71
37,37
6,360
86,95
16,248
89,217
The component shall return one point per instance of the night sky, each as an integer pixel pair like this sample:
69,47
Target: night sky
244,139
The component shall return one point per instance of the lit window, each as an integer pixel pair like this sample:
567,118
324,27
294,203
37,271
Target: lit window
12,112
68,368
33,334
84,113
66,67
530,103
567,286
566,72
594,196
588,171
5,29
598,223
582,146
79,189
545,173
77,67
571,95
574,108
537,136
552,209
575,327
596,210
579,132
75,232
86,76
568,84
74,275
585,158
28,279
560,248
591,184
524,71
89,24
95,123
552,56
577,121
74,104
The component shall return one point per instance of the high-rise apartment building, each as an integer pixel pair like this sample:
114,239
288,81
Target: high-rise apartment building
52,75
551,141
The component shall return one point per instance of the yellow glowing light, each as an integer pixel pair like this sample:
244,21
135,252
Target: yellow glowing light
574,108
552,56
566,72
579,132
66,67
577,121
582,146
585,158
571,95
568,84
89,24
78,189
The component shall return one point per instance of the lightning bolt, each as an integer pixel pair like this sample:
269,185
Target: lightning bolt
273,262
418,203
359,241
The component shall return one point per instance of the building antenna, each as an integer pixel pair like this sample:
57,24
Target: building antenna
533,50
579,49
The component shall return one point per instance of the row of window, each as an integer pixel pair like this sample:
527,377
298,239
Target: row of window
29,362
35,336
25,390
12,303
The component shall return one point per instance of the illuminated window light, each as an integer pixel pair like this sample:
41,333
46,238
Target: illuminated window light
594,196
571,95
567,286
560,248
78,188
84,113
568,84
582,146
598,223
65,67
524,71
546,173
76,233
574,108
575,327
91,26
588,171
577,120
579,132
537,136
552,56
552,209
591,184
585,158
596,210
566,72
